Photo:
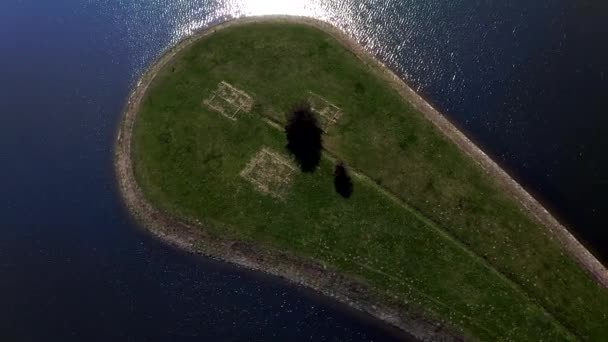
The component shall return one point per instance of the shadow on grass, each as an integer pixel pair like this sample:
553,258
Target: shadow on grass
304,137
342,182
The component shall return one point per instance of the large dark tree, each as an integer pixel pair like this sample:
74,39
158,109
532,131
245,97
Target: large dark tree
304,137
342,181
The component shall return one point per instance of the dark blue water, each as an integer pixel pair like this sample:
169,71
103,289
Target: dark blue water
525,80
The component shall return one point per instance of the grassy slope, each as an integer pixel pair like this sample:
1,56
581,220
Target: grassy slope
187,161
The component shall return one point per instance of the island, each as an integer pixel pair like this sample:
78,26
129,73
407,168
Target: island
393,211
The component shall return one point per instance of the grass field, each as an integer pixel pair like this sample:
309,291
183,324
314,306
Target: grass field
424,222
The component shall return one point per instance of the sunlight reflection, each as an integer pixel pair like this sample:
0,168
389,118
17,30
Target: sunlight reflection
261,7
240,8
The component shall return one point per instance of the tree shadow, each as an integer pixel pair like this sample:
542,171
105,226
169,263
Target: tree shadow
342,182
304,137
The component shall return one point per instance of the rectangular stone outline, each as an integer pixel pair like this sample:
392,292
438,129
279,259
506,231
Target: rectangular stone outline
222,92
256,161
329,120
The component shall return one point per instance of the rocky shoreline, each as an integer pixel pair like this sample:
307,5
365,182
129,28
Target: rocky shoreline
194,237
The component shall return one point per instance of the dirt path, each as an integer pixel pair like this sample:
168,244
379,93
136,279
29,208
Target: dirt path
589,262
194,237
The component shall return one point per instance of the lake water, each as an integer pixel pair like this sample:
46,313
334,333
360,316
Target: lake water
527,80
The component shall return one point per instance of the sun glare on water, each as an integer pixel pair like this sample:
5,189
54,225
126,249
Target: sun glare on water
241,8
185,17
293,7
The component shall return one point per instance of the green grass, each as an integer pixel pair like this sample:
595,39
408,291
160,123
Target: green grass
426,223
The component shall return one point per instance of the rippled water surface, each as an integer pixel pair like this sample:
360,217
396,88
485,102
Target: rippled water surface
527,80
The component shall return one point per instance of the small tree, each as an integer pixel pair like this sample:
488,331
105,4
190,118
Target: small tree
304,137
342,182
